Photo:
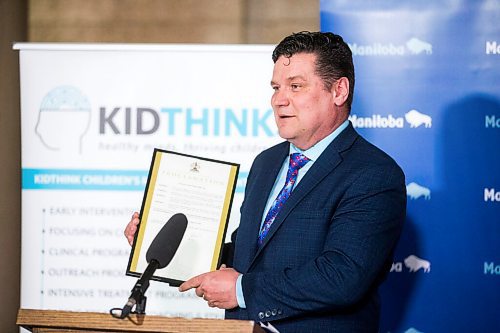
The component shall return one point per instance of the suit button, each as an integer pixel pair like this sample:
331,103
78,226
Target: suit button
279,311
261,315
268,314
274,312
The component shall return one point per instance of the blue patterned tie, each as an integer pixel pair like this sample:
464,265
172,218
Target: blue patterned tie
297,161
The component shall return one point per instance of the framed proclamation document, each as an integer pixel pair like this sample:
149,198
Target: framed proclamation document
202,189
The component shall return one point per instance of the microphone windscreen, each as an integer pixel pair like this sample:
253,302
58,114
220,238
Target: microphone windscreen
167,241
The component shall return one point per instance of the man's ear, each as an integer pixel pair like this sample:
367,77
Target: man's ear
340,91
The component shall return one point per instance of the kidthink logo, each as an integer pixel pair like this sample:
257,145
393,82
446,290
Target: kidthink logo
65,113
415,191
416,119
414,263
63,119
413,46
206,121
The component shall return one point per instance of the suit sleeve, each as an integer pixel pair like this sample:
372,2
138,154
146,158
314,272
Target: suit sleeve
361,237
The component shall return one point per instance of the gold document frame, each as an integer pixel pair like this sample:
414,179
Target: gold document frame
198,187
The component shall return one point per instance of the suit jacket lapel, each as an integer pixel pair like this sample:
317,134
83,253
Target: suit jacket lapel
269,177
325,164
263,188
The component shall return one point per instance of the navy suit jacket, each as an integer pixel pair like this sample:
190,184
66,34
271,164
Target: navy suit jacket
330,246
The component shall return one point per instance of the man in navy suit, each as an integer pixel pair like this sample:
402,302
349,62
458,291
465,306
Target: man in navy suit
315,240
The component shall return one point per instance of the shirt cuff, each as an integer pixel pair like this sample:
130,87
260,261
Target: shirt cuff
239,293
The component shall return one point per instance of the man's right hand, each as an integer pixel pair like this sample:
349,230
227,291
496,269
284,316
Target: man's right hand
131,228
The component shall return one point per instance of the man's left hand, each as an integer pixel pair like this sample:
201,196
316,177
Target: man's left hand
218,288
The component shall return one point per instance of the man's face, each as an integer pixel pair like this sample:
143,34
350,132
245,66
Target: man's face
304,110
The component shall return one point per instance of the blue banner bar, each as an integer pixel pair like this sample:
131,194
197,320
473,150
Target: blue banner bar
79,179
100,180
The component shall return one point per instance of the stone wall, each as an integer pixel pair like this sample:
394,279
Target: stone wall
170,21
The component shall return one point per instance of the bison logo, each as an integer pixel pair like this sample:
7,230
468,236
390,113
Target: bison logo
417,46
415,119
415,191
414,263
412,330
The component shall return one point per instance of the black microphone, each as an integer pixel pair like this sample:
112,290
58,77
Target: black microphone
159,255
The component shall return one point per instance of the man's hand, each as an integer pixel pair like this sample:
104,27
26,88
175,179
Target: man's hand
131,228
217,288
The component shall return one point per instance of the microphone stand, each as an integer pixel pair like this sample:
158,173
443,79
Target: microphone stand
140,307
139,300
137,297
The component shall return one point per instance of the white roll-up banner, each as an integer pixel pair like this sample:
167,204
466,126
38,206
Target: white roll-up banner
91,116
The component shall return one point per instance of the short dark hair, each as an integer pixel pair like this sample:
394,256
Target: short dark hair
333,56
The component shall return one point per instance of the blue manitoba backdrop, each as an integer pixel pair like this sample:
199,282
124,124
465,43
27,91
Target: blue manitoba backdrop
428,93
